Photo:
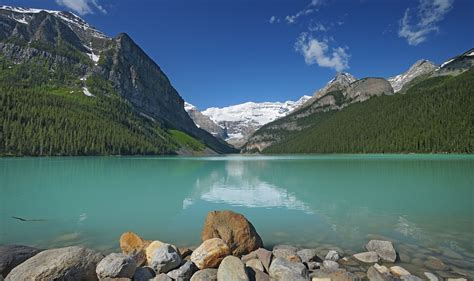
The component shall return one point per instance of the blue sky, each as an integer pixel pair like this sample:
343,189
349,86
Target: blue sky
223,52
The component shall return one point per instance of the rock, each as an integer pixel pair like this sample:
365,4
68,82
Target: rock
116,265
153,246
380,273
283,269
330,264
70,263
210,253
131,242
450,253
236,231
399,271
367,257
286,252
435,263
456,279
384,249
333,275
162,277
404,258
348,261
256,275
312,265
332,256
232,268
143,274
431,276
255,264
185,251
207,274
13,255
184,272
139,257
265,256
307,255
165,258
410,278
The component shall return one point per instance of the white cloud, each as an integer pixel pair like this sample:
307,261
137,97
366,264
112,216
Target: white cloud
274,19
318,51
429,13
310,8
82,7
317,27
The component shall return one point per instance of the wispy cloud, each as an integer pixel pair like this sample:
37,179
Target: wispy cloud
319,52
274,19
428,14
82,7
309,9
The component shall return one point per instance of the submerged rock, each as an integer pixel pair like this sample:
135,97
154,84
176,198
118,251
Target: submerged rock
207,274
283,269
431,276
399,271
333,275
435,263
234,229
210,253
383,248
367,257
70,263
116,265
232,268
165,258
13,255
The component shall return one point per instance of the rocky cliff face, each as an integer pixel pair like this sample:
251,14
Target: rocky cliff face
420,68
457,65
64,38
204,122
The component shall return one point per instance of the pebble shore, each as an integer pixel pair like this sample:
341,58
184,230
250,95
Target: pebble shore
231,249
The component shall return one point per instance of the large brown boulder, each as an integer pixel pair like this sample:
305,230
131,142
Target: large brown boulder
236,231
131,243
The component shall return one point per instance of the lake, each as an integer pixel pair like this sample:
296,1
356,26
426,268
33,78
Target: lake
344,200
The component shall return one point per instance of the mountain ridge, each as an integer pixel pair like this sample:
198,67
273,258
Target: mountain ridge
62,38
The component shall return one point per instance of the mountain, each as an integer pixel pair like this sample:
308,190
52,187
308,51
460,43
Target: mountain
336,95
420,68
434,115
204,122
241,120
457,65
64,53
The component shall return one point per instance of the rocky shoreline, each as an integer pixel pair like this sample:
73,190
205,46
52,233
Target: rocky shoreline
231,249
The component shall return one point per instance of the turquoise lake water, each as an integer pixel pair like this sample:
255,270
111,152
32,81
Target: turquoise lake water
343,200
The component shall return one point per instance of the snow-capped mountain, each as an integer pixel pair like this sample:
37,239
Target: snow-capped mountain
241,120
457,65
342,79
204,122
421,67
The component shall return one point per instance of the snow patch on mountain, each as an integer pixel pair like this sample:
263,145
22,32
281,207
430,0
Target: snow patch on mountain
21,15
421,67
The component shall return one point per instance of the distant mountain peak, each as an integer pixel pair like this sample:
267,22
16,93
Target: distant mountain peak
420,67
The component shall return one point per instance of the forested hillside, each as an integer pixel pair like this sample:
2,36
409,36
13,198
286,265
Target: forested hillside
435,115
44,111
